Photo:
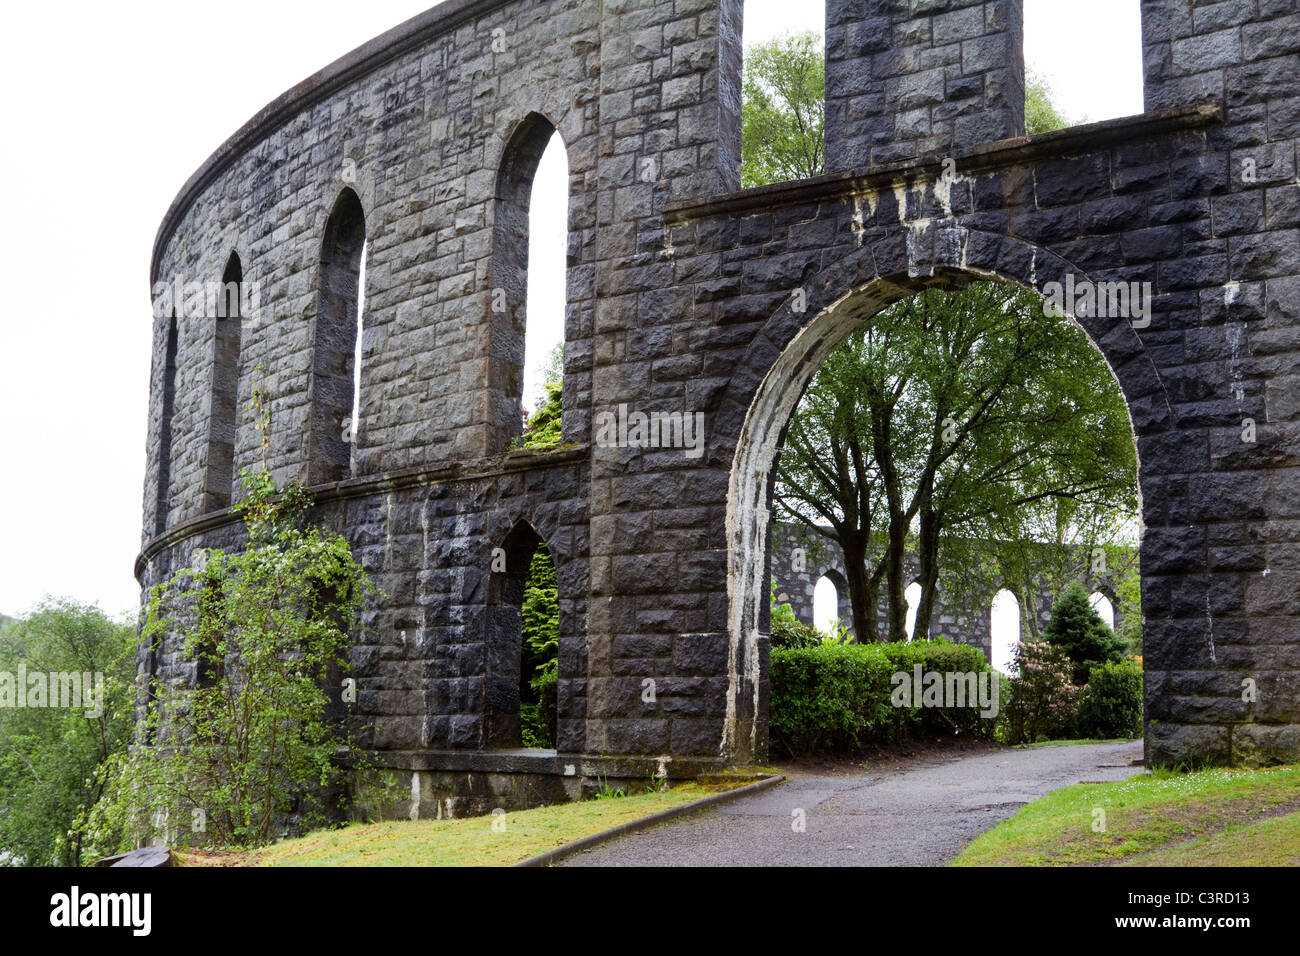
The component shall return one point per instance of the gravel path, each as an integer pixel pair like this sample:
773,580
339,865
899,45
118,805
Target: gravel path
922,816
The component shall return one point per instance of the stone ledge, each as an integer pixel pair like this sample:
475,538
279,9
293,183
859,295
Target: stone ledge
507,463
549,763
1003,153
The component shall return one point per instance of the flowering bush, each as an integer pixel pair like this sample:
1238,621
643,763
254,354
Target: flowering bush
1043,702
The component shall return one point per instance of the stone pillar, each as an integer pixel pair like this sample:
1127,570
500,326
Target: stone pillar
669,130
909,77
1219,605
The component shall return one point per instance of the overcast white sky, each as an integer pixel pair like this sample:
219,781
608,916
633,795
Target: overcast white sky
108,110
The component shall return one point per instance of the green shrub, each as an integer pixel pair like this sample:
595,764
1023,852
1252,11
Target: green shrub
944,657
1111,705
829,697
788,631
250,741
1077,629
791,633
839,697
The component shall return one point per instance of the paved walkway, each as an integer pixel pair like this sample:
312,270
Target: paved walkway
922,816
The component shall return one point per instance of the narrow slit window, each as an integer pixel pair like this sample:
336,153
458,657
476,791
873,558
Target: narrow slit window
163,506
1105,610
225,387
1004,629
783,92
1064,90
334,359
826,605
913,597
529,287
521,680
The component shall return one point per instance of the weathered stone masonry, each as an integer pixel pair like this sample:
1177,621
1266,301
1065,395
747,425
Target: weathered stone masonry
680,294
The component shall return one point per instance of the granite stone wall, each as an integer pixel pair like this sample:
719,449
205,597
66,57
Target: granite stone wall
686,296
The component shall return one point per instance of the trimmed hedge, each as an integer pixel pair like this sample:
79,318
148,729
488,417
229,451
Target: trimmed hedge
788,632
839,696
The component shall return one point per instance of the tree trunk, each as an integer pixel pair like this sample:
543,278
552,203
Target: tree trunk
1029,612
895,578
862,591
928,553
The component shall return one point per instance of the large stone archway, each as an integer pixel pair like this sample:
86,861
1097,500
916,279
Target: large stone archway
855,296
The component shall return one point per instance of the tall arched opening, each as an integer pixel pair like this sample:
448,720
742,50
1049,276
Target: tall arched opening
839,306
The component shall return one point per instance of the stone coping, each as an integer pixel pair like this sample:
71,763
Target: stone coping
1076,140
549,763
359,487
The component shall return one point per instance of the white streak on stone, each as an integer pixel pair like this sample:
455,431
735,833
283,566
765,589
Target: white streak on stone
1235,333
900,195
1209,620
388,531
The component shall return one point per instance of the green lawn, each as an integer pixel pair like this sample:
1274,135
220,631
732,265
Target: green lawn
1224,817
1271,842
471,841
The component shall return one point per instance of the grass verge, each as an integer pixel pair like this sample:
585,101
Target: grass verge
1271,842
470,841
1226,817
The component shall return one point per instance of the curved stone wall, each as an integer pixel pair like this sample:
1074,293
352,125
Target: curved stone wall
681,297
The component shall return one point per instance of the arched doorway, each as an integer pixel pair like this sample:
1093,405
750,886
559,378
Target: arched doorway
842,298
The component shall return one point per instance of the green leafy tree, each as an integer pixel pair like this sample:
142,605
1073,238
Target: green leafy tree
783,111
253,736
1041,114
49,756
543,428
951,418
1111,705
539,663
783,114
1076,629
1129,591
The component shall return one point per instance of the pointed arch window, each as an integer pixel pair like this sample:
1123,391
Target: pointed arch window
168,414
227,343
332,430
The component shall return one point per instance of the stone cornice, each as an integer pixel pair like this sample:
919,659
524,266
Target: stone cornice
509,463
1077,140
